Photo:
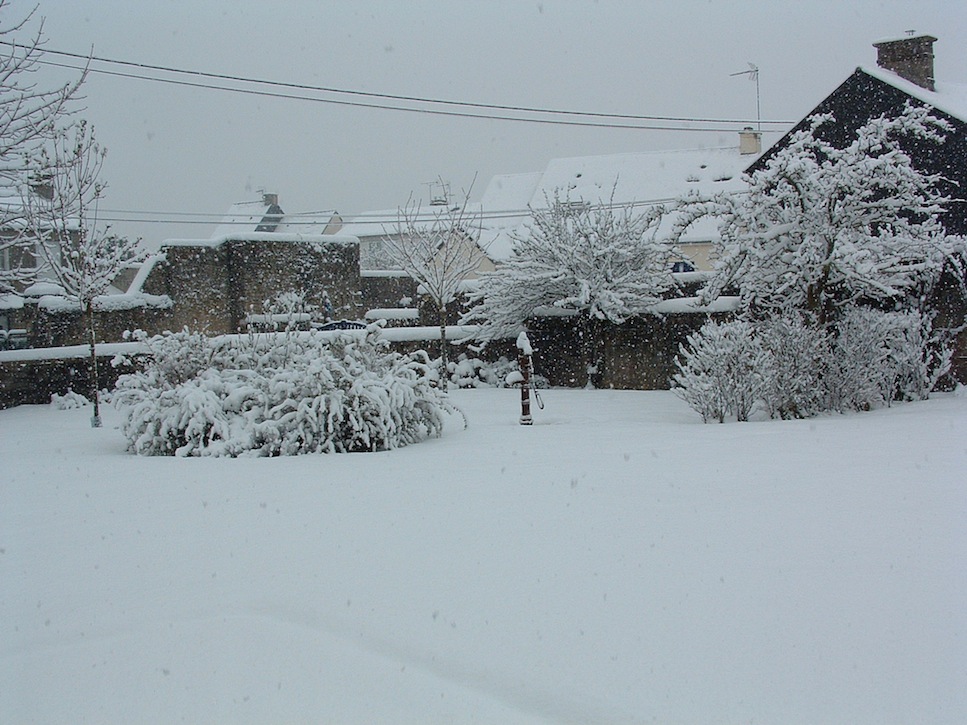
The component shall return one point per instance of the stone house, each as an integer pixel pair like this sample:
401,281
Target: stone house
904,73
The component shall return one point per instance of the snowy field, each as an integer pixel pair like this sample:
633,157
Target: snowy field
618,562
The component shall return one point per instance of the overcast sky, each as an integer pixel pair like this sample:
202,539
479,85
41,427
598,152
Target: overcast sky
176,150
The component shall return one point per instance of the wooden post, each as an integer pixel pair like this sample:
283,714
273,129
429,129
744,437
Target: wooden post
524,363
525,390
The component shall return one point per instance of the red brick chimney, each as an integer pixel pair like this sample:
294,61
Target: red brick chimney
910,58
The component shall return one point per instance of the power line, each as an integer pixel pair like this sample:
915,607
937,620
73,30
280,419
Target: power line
608,120
391,96
369,219
386,107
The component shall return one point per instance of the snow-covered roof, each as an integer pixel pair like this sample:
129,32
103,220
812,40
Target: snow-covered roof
950,98
310,222
643,178
377,223
511,191
384,222
262,216
630,179
242,217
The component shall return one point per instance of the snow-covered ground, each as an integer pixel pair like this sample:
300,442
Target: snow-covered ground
616,562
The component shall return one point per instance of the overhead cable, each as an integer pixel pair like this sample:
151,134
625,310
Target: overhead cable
442,107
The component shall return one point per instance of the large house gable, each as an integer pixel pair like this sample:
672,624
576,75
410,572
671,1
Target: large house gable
871,93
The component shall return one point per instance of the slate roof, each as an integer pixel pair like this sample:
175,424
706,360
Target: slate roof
872,92
248,216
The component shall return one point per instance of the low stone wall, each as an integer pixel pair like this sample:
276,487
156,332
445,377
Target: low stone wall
54,328
636,355
639,354
33,382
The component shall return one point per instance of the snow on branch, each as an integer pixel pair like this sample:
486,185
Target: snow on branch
821,227
30,117
604,262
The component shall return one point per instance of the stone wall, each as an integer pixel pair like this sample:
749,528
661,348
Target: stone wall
383,289
214,287
33,382
56,328
637,355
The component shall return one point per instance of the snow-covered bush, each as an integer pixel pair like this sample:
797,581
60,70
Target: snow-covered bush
720,370
285,394
68,401
288,311
471,372
797,358
794,368
176,357
881,357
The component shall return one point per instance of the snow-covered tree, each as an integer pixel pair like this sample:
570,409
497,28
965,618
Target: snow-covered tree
440,249
73,248
30,116
823,227
598,261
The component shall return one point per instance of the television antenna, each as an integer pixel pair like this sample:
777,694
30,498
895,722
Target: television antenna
753,74
439,192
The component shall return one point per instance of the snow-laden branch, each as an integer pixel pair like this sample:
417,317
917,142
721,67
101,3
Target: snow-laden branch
604,262
821,226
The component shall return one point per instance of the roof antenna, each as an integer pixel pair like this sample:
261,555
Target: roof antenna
753,74
439,192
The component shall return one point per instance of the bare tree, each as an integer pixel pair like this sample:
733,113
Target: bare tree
440,249
30,117
73,249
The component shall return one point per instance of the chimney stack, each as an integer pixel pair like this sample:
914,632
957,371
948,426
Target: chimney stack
270,199
750,141
910,58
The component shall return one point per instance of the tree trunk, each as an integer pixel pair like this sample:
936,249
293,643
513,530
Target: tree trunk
590,332
444,358
92,365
